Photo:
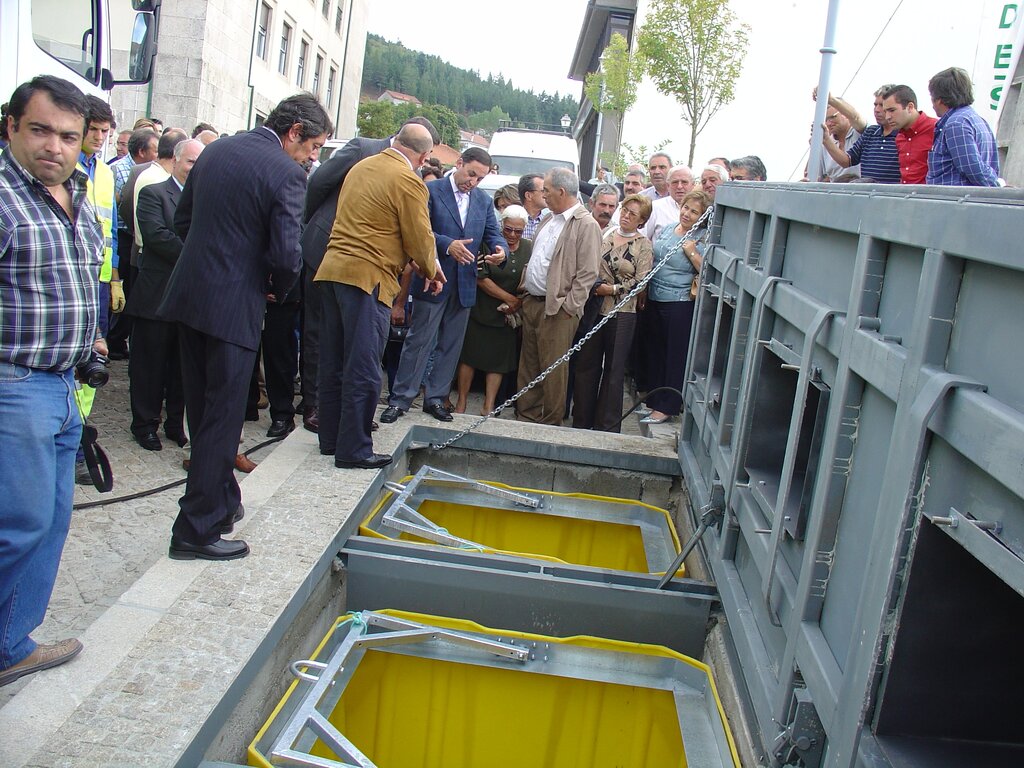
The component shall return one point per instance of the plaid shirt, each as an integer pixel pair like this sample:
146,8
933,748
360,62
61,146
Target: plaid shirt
122,169
49,271
963,151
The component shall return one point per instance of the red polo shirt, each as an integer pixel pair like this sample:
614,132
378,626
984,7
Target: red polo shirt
913,145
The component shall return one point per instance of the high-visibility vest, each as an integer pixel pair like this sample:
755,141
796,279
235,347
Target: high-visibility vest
100,191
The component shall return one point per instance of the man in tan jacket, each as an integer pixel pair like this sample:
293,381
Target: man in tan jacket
381,224
556,284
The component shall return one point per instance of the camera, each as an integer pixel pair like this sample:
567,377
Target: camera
93,371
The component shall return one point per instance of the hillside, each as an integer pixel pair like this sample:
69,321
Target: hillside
392,66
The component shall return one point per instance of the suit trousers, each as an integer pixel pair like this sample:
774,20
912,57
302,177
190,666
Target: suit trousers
281,358
121,326
154,374
215,374
440,325
545,339
353,332
601,374
312,309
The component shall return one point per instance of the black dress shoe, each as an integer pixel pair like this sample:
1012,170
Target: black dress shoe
280,427
229,526
118,354
391,414
437,410
374,426
376,461
221,549
177,436
311,419
149,441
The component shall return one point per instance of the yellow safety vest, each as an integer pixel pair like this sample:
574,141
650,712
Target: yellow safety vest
101,194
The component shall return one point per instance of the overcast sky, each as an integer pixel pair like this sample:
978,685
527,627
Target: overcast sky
533,44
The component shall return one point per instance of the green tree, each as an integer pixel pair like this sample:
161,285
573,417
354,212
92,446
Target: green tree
445,120
376,119
486,123
612,89
694,51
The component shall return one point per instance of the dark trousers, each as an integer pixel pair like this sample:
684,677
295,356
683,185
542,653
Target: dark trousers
312,310
215,374
353,333
600,374
121,324
668,345
281,358
154,375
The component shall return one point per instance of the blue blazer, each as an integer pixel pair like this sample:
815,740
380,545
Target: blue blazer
481,226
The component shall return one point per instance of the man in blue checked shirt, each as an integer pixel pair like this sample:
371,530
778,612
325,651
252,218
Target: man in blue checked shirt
51,248
964,150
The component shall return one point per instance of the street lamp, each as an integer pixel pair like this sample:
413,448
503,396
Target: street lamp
566,121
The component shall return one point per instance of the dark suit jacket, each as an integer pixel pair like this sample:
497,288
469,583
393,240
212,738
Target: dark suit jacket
322,195
157,204
239,217
481,225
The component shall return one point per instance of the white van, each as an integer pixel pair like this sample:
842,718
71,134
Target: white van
519,152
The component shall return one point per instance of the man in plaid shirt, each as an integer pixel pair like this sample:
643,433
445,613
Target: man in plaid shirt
964,149
51,249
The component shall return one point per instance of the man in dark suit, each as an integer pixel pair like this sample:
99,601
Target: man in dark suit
239,218
462,218
321,208
154,369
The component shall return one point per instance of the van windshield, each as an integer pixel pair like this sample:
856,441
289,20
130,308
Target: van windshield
517,166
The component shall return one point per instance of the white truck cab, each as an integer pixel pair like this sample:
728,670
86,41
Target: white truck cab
517,152
95,44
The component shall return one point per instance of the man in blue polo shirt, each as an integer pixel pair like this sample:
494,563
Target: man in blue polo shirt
875,150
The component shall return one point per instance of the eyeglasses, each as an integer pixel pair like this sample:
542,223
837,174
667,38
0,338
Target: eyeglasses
513,230
630,212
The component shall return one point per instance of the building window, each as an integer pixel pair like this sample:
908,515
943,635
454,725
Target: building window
317,72
286,41
262,27
337,19
327,8
331,75
300,69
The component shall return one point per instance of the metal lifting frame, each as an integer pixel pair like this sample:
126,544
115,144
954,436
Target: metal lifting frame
402,517
309,724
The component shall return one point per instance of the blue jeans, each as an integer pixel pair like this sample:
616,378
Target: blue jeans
40,430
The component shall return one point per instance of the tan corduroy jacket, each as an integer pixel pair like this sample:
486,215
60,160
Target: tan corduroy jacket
574,263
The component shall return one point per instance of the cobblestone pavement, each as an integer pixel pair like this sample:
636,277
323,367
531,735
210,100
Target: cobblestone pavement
110,546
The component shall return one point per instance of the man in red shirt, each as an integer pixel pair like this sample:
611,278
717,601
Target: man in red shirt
915,131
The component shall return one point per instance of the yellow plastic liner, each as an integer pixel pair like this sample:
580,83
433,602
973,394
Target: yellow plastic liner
406,711
536,535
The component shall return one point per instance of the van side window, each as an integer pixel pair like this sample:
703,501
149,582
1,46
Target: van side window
65,30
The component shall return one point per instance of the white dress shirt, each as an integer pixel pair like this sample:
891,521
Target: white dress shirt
535,280
461,200
664,212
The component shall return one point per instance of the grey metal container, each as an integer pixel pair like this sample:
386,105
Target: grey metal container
853,426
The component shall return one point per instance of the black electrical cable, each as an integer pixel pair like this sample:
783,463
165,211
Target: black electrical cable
161,488
638,402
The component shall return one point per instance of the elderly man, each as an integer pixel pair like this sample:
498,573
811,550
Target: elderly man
711,177
381,223
748,168
463,221
531,196
632,184
51,248
658,167
839,126
964,150
555,286
665,212
120,146
154,370
239,217
603,204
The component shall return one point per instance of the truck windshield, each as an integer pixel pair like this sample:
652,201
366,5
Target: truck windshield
517,166
64,29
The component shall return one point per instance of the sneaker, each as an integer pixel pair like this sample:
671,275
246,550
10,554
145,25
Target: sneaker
43,657
82,476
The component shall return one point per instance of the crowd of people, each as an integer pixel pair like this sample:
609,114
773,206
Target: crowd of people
221,266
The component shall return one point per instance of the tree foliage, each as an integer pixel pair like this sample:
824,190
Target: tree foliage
486,123
694,51
392,66
377,119
612,88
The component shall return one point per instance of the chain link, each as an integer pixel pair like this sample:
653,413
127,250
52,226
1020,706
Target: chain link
578,345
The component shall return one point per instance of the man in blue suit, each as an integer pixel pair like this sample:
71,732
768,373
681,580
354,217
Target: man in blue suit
239,217
463,220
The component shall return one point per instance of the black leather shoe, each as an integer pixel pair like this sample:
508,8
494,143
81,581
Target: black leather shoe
374,426
221,549
311,419
149,441
229,526
391,414
177,436
437,410
280,427
118,353
376,461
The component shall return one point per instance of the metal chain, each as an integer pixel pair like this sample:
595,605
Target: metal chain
578,345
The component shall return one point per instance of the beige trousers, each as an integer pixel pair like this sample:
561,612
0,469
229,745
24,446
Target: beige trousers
545,339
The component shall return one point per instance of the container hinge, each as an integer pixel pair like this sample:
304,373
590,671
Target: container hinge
804,737
710,515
